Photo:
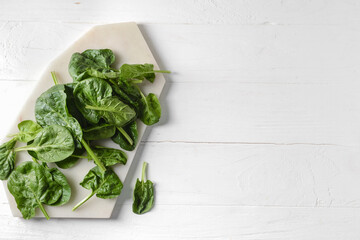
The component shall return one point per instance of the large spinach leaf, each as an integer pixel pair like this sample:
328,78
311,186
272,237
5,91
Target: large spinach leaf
131,130
32,185
104,184
7,158
143,194
54,143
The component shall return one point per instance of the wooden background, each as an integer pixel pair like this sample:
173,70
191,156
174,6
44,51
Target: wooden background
260,135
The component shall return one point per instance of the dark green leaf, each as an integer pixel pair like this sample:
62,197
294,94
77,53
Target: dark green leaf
131,130
92,59
150,109
71,161
51,109
143,194
90,92
29,183
7,158
104,184
61,180
110,156
54,143
99,132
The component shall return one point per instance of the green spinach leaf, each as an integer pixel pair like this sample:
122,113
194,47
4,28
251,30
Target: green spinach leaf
150,109
143,194
104,184
61,180
29,183
54,143
131,130
7,158
99,132
28,130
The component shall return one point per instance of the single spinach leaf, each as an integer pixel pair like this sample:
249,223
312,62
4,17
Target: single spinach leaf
104,184
143,194
99,132
137,71
150,109
29,183
54,143
131,130
71,105
61,180
114,111
7,158
90,92
28,130
91,59
110,156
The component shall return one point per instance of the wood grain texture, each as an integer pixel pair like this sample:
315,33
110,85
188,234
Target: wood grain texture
260,133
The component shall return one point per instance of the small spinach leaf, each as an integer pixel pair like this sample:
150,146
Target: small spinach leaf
61,180
143,194
131,130
99,132
27,131
104,184
150,109
110,156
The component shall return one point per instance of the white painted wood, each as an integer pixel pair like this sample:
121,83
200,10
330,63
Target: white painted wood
278,160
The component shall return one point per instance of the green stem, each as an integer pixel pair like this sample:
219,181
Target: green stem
79,156
24,148
92,155
128,138
43,210
136,81
53,75
161,71
143,176
83,201
35,161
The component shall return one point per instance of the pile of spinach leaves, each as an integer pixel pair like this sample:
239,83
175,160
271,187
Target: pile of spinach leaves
101,102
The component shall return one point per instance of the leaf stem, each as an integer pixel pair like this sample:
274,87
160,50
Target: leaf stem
53,75
83,201
92,155
24,148
43,210
143,176
161,71
124,133
79,156
35,161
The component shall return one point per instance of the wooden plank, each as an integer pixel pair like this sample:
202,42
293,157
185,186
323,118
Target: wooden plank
189,11
206,53
242,113
248,175
195,222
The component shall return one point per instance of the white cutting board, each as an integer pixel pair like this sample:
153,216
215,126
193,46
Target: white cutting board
129,46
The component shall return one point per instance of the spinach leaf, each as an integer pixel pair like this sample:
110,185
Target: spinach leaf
104,184
61,180
7,158
131,130
110,156
143,194
90,92
91,59
27,131
114,111
99,132
51,109
71,105
137,71
150,109
54,143
29,183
